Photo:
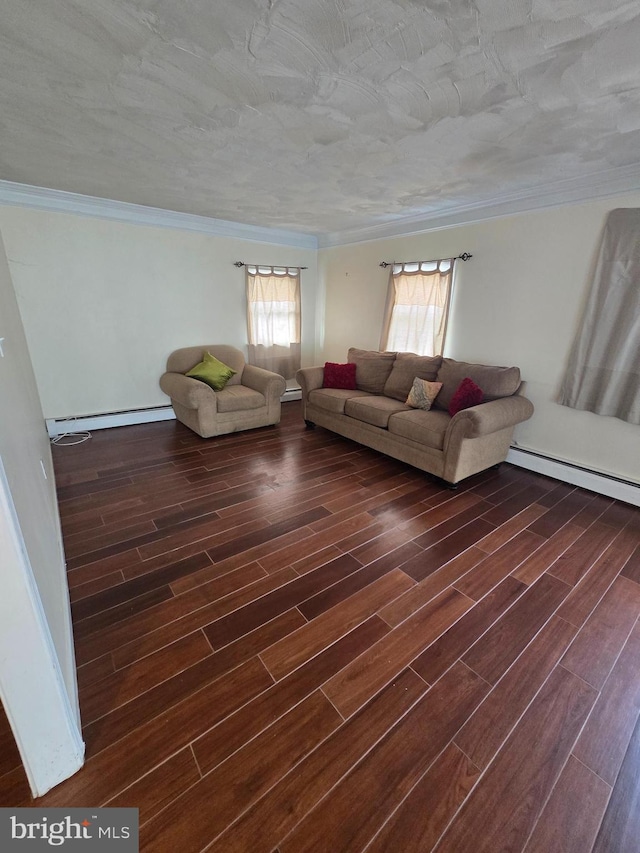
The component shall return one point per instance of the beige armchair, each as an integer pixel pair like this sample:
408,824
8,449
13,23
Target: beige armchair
250,399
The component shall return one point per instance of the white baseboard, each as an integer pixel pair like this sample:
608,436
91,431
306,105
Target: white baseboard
291,394
87,423
565,471
612,487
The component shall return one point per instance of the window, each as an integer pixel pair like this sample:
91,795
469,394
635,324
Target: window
418,307
273,318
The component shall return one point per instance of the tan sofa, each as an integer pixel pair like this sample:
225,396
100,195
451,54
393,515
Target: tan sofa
376,415
250,399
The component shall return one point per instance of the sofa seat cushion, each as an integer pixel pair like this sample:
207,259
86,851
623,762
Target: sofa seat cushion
373,410
333,399
496,382
426,428
407,367
239,398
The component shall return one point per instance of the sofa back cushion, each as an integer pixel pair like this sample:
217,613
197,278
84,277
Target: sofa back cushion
495,382
407,367
372,368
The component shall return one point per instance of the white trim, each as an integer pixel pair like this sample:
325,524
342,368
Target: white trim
559,469
291,394
605,485
83,423
607,184
42,198
613,182
32,688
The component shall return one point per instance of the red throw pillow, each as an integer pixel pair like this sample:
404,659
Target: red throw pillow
339,376
467,394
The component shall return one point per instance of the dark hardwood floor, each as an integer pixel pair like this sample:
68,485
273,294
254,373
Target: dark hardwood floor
288,642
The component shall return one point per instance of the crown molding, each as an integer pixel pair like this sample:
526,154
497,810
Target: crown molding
41,198
613,182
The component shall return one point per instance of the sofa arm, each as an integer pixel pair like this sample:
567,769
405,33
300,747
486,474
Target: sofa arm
270,385
487,418
187,391
310,378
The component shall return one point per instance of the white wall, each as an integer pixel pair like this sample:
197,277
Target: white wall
37,663
518,301
103,303
26,454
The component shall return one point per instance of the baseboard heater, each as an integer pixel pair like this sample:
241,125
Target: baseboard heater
594,481
87,423
603,484
107,420
291,394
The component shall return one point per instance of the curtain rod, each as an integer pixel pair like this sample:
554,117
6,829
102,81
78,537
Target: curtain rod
278,266
463,257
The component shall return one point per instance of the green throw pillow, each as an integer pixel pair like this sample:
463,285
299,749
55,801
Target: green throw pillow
212,371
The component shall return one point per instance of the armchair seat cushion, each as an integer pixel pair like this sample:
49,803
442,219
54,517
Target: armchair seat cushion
239,398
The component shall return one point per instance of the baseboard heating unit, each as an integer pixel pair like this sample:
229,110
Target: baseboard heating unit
56,426
291,394
594,481
88,423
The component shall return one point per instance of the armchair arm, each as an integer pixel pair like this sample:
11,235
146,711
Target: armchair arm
310,378
270,385
487,418
187,391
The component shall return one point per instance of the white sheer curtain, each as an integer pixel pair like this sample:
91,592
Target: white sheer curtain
603,373
417,309
273,318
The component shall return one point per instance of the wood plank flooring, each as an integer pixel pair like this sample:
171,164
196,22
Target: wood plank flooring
287,642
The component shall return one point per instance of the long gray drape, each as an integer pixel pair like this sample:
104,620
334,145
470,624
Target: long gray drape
603,373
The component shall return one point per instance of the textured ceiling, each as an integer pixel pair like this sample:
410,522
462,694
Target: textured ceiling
316,115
